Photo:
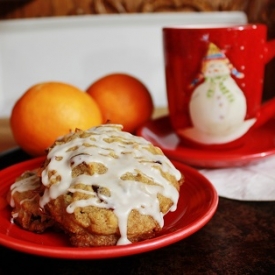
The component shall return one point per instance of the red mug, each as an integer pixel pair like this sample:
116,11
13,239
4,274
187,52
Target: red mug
214,81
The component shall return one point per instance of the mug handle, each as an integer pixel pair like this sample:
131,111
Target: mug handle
267,110
269,50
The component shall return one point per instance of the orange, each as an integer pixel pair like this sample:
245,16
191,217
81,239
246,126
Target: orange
49,110
123,99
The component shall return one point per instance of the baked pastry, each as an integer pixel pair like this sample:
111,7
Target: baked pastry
105,187
24,197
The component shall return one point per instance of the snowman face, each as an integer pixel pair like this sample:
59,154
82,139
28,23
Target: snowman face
215,68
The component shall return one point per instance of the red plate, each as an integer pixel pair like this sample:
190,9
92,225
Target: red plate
197,204
259,144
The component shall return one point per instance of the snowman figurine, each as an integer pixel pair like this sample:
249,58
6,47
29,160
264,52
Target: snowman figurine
217,106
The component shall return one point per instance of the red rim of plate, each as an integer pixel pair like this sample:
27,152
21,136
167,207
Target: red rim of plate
8,175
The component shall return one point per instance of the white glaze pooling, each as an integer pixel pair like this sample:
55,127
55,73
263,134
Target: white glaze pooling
131,157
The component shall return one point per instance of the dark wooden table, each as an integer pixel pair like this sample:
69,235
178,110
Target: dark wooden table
239,239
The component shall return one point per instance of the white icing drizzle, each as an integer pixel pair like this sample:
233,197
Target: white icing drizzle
23,185
131,156
31,199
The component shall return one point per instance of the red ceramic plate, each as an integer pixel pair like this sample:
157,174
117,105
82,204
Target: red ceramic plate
197,204
260,143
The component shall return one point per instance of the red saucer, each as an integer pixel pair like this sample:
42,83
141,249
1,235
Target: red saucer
259,144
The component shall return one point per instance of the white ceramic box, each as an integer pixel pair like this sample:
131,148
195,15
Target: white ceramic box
80,49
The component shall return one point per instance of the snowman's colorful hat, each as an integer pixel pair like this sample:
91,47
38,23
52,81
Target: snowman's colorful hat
213,52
